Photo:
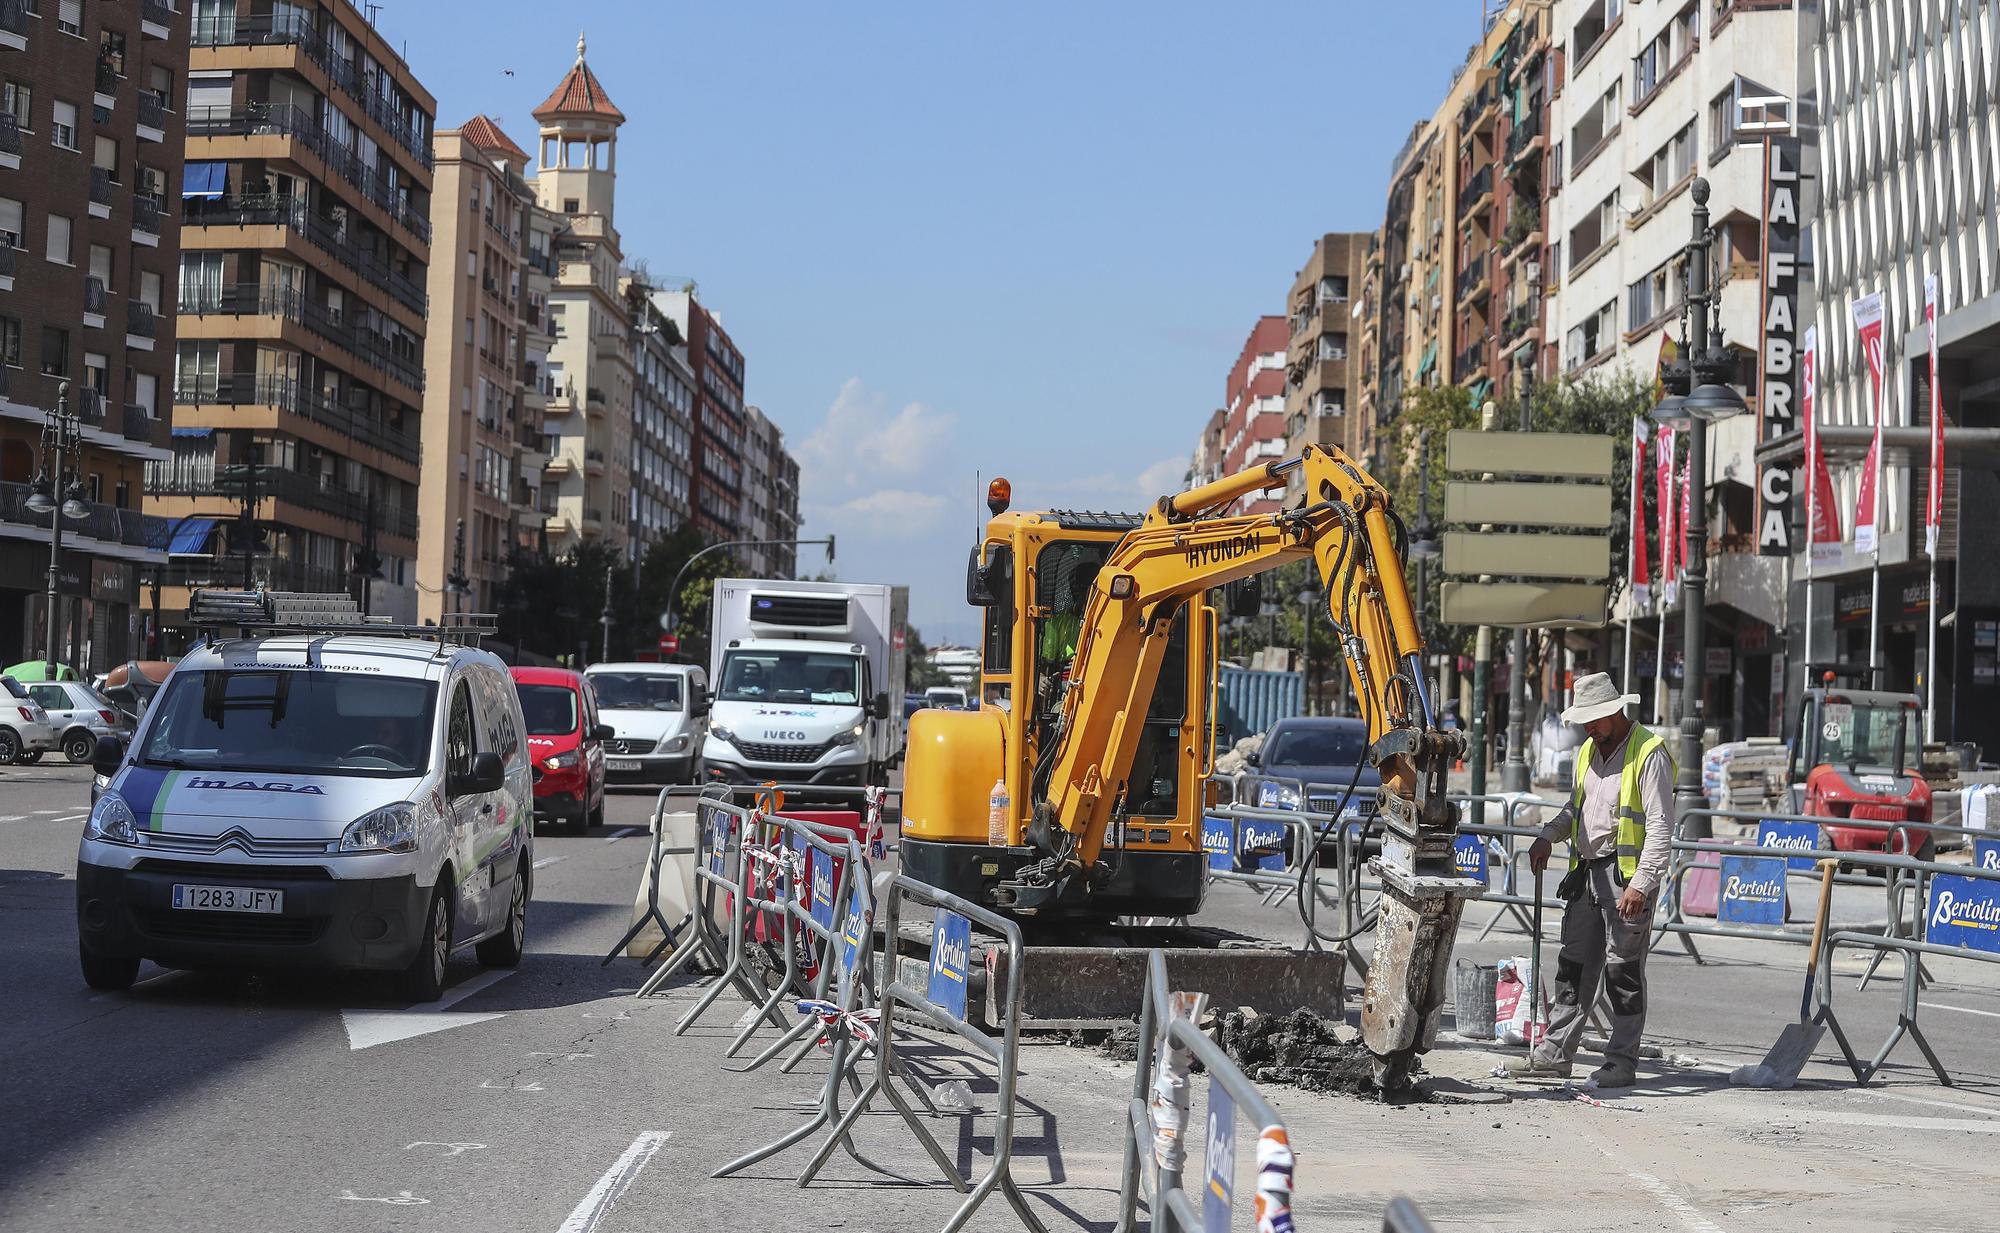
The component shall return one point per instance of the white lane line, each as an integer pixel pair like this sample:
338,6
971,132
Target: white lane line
627,833
1963,1010
605,1194
13,817
1909,1123
75,817
43,813
546,861
1664,1195
1983,1110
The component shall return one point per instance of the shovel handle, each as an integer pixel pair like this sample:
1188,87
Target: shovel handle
1826,871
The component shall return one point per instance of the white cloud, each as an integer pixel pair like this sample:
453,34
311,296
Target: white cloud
889,513
1118,492
861,441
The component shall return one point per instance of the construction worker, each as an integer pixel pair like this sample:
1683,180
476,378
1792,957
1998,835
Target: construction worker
1619,824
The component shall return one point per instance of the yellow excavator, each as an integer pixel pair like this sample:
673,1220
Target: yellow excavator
1097,686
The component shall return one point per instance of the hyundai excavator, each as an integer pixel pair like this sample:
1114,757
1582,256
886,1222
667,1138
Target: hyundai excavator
1098,692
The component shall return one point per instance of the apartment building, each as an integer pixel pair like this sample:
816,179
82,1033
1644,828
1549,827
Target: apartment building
662,458
479,494
1322,357
1651,100
299,379
1389,293
1253,407
1525,73
1904,195
90,151
586,486
721,428
1205,464
770,504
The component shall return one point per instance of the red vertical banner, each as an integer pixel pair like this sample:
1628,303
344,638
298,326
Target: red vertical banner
1868,321
1934,507
1663,484
1823,537
1641,579
1687,520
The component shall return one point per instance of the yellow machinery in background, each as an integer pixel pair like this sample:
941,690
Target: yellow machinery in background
1097,684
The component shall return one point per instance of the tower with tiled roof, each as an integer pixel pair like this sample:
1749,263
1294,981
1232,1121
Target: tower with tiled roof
579,143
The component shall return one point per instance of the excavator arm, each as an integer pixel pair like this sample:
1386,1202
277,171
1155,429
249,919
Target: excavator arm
1186,547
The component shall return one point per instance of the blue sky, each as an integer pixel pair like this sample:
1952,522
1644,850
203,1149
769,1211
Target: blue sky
952,238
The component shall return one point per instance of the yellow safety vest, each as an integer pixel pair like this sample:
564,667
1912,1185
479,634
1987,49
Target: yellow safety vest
1631,815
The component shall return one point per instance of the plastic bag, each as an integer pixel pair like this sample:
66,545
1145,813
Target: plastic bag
1511,1005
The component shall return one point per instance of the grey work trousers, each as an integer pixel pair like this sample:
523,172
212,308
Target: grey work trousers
1599,943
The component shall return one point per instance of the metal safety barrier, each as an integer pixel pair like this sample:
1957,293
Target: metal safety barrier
657,851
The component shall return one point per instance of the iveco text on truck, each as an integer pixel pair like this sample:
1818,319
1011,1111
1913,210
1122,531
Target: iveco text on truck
804,674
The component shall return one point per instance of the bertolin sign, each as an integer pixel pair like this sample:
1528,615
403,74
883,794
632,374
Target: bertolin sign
1777,390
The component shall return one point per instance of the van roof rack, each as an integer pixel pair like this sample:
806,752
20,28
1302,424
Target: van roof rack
308,612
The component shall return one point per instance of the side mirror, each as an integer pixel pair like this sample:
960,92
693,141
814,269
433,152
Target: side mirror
986,585
1254,758
1246,598
879,708
107,755
602,732
698,701
488,774
976,592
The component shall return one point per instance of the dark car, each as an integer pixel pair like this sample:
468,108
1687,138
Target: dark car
1314,756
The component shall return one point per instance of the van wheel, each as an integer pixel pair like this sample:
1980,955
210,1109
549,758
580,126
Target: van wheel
79,746
595,817
107,971
10,747
503,949
423,980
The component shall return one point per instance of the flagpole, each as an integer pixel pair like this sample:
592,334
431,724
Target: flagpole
1810,371
1933,508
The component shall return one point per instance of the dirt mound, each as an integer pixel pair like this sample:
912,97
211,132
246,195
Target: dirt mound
1303,1050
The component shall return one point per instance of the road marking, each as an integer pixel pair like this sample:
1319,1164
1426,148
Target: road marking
1910,1123
567,1057
616,1180
1938,1104
1664,1195
368,1028
546,861
451,1149
510,1087
627,833
43,813
75,817
14,817
402,1198
1963,1010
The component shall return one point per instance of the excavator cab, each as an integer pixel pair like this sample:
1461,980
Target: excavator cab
1032,578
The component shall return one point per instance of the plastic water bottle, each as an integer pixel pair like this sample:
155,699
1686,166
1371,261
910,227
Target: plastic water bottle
996,815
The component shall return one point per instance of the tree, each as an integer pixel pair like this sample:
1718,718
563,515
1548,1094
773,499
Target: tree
691,606
920,673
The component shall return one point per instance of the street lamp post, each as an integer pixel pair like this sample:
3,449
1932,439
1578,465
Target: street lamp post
57,494
1514,772
673,593
1424,548
1309,598
1698,393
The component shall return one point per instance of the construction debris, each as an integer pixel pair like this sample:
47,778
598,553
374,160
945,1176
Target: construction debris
1304,1050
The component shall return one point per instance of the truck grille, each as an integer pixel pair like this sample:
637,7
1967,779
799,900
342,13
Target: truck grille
230,927
622,745
799,755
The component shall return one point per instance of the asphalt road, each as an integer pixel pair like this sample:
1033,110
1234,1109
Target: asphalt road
549,1099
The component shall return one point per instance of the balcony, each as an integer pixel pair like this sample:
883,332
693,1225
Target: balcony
156,20
145,220
288,120
106,524
6,266
1519,320
10,142
326,235
14,24
90,407
290,304
1474,281
302,491
593,462
1476,193
1469,363
286,394
152,117
1478,111
1526,136
93,303
106,85
101,191
141,325
559,466
136,423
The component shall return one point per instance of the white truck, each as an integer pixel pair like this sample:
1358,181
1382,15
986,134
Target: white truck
807,681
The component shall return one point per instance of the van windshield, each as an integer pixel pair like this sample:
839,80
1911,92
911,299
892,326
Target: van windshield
637,691
789,676
293,720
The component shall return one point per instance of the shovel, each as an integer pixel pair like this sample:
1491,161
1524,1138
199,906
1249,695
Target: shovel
1781,1066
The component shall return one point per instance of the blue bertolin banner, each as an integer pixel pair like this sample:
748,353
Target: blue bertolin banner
1261,845
1218,1190
852,932
1218,840
1986,853
1963,912
1468,852
951,951
718,841
1753,891
1798,836
822,887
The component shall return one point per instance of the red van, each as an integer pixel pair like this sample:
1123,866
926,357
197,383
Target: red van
566,742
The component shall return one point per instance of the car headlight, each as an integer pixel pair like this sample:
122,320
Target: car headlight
563,761
678,745
111,820
1277,796
392,828
851,735
721,733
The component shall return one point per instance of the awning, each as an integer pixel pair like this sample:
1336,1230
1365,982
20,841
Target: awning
194,432
1430,358
203,180
191,537
1476,393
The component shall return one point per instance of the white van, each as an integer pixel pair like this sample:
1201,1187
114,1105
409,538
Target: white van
315,792
657,714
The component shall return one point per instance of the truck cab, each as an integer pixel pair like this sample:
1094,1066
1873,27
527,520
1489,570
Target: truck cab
1856,759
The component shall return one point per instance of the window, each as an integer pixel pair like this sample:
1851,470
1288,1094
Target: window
59,233
1655,295
18,100
1670,164
104,156
569,205
1589,31
96,372
55,352
62,125
111,50
146,393
1333,288
1591,339
195,371
160,84
100,264
149,289
10,342
1599,227
1333,346
458,733
1722,123
10,223
69,17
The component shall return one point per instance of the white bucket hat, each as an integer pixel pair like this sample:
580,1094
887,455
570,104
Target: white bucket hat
1594,698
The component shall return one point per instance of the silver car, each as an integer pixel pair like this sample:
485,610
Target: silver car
25,731
79,715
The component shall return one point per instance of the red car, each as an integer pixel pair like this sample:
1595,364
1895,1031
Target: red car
566,744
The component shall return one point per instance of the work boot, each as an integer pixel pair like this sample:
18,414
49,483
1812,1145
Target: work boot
1536,1066
1614,1075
